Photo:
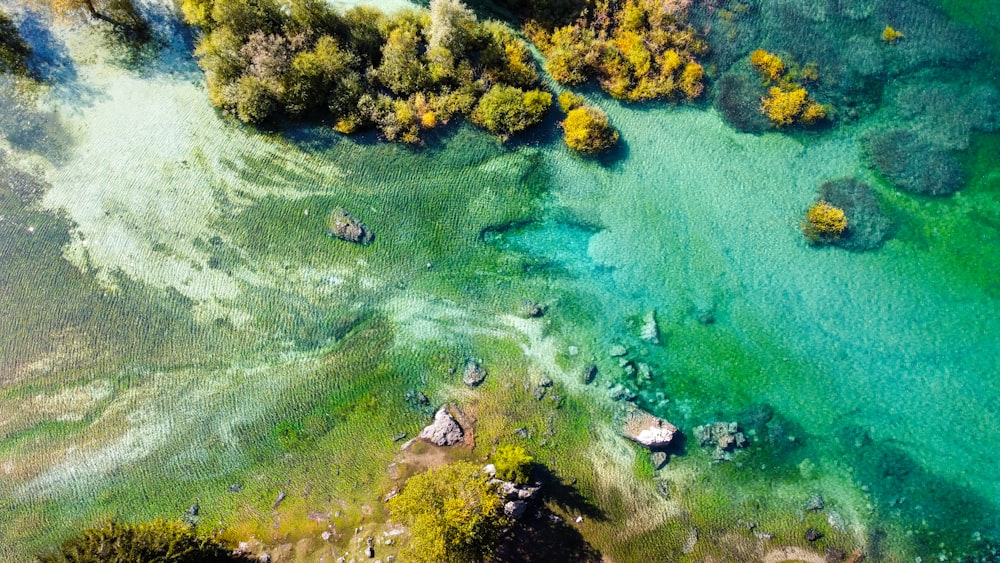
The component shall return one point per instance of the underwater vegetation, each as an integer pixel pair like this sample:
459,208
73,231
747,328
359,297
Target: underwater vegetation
824,223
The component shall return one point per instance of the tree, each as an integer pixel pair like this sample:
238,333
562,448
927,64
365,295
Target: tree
587,130
513,464
402,69
453,512
449,35
505,110
159,540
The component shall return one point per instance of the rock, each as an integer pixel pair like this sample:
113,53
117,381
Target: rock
868,226
539,392
815,502
490,470
812,534
617,351
588,374
281,496
705,315
399,436
515,508
521,431
573,350
370,552
690,541
659,459
474,373
264,558
644,374
531,309
344,226
650,331
578,520
525,492
725,437
648,430
545,382
444,431
326,535
621,393
193,510
235,488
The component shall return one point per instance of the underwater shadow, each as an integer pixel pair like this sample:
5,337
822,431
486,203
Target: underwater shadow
544,537
565,495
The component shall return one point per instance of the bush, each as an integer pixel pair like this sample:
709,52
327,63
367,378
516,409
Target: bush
769,65
587,130
824,223
505,110
453,512
513,464
159,540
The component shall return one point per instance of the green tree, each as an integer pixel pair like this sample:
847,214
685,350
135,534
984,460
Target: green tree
505,110
449,35
403,70
453,512
161,541
324,76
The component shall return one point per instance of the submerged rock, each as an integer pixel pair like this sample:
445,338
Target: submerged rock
617,351
650,331
588,374
648,430
726,437
474,373
531,309
444,431
868,226
345,226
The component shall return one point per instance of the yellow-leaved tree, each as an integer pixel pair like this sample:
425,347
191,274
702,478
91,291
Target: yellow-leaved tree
453,513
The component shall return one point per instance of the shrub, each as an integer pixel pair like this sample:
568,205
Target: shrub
890,35
569,101
254,102
453,512
513,464
587,130
505,110
769,65
824,223
159,540
791,104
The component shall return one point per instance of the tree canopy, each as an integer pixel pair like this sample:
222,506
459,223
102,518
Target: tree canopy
159,540
403,74
453,513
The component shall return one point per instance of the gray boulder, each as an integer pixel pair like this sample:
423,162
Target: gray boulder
444,431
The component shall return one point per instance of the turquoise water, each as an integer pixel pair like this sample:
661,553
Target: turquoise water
169,277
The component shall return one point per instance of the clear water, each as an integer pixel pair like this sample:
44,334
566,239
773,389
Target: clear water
170,300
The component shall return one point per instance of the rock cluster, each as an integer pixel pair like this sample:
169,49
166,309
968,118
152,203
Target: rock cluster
345,226
474,373
516,497
648,430
444,431
724,436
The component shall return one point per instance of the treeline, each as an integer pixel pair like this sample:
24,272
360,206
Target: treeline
637,50
402,73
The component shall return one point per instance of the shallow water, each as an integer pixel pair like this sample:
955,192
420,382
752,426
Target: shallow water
174,280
